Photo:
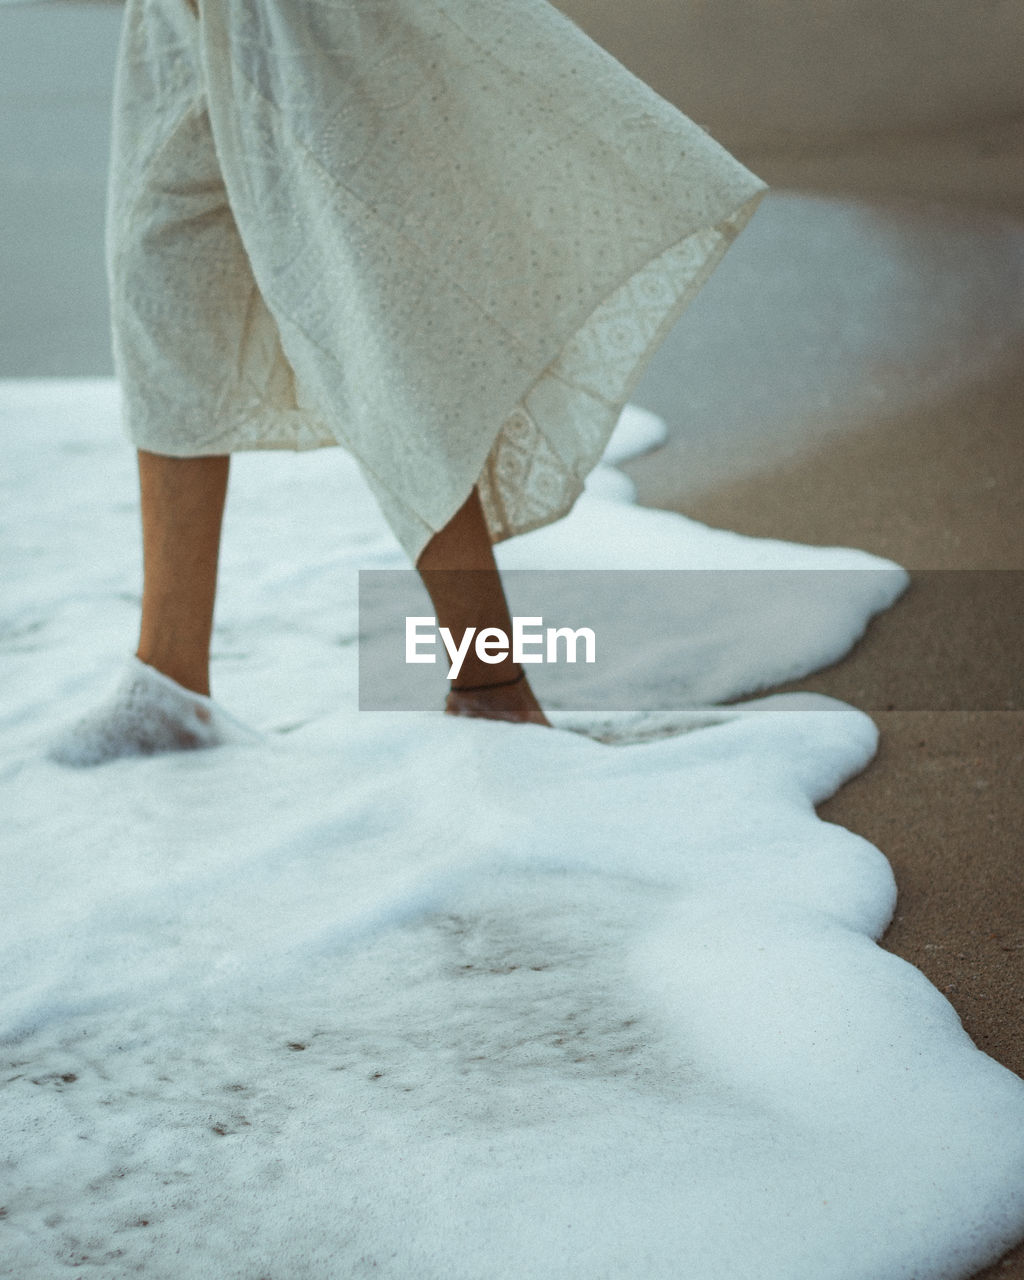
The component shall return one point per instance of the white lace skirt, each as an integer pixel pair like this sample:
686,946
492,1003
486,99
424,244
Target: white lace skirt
445,234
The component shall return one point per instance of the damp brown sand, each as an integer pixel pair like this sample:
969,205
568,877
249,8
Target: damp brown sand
937,488
939,491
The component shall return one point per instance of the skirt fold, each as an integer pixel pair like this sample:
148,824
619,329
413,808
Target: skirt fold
459,227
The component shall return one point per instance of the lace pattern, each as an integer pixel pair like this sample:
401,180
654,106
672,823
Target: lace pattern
446,234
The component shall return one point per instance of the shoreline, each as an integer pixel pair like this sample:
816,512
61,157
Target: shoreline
941,799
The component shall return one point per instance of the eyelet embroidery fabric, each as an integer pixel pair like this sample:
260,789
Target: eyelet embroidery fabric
446,234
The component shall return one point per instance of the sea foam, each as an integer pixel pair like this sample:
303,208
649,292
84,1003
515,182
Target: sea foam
397,994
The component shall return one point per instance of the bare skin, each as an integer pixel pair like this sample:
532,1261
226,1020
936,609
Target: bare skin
458,569
182,512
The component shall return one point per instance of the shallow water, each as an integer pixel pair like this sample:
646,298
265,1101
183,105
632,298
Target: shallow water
392,993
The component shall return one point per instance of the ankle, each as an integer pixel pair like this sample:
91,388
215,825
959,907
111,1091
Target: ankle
513,701
191,674
499,680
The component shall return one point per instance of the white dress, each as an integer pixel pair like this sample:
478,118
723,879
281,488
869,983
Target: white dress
445,234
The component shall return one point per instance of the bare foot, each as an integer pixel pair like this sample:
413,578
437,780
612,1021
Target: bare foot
514,702
148,714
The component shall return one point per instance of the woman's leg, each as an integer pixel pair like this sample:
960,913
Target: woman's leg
182,505
458,569
182,509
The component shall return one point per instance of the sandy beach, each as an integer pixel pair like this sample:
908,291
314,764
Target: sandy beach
903,110
942,798
936,490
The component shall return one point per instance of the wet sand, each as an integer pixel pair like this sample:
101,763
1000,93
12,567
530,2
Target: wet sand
943,798
852,108
936,488
928,109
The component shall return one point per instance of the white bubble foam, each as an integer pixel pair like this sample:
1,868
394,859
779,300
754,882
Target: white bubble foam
399,994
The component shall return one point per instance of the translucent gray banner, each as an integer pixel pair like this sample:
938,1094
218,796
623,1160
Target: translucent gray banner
668,639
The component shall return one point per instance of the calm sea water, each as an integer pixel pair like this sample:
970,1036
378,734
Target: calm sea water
56,70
